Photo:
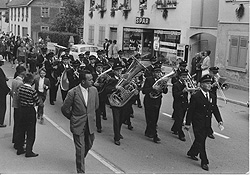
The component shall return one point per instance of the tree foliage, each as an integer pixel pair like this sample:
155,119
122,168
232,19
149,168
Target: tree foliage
69,19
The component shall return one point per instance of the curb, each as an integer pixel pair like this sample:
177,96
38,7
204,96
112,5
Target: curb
234,102
245,104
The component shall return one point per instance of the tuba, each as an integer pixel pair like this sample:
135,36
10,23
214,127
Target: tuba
126,87
102,79
162,83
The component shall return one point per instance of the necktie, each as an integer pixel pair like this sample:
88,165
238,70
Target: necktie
207,97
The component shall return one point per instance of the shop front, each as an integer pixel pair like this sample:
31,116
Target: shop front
164,44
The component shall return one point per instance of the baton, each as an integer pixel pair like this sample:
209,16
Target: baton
10,112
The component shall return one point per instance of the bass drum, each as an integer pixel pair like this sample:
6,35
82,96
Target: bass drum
64,83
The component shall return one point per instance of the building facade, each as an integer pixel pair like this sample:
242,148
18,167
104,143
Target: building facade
32,16
169,29
142,26
4,16
232,51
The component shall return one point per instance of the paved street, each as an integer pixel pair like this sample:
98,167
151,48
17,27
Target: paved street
228,153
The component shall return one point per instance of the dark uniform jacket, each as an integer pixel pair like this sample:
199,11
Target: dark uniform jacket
200,111
147,88
180,97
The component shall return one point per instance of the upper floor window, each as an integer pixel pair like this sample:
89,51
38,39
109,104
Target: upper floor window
127,4
45,12
103,3
44,28
18,13
22,13
114,4
27,13
143,4
92,3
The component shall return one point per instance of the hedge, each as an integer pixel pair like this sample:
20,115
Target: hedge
61,38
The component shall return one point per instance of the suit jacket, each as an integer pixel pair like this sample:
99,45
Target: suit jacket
16,83
46,83
76,110
4,89
200,111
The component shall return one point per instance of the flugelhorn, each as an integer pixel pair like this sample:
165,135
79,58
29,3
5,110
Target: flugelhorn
162,83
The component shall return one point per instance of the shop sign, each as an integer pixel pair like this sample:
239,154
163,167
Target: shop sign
142,20
167,32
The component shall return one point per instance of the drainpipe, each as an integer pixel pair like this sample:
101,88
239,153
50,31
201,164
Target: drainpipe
201,13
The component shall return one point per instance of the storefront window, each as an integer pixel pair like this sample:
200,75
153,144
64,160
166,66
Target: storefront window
167,46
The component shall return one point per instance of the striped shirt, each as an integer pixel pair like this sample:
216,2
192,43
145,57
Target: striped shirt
28,96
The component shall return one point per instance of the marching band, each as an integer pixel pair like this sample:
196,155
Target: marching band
119,82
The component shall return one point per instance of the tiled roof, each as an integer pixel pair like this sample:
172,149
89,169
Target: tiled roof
3,4
19,2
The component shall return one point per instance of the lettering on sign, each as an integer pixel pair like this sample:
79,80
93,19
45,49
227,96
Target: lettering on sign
142,20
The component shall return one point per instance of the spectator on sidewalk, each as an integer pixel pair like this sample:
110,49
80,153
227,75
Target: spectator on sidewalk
28,100
80,108
4,90
16,83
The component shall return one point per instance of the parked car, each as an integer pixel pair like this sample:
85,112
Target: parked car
76,49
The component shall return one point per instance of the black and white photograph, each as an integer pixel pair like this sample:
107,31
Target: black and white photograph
124,87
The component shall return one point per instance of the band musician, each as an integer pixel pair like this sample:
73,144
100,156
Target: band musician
102,97
51,66
119,113
180,103
152,105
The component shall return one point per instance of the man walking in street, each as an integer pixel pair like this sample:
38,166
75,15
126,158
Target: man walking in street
80,108
202,106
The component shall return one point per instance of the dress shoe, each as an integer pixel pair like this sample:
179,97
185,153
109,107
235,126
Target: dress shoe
2,125
192,157
31,155
99,130
149,135
182,139
121,137
132,116
130,127
139,106
117,142
52,103
156,139
211,136
204,167
104,118
21,151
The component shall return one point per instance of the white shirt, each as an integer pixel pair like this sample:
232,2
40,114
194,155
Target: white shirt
41,83
85,94
206,94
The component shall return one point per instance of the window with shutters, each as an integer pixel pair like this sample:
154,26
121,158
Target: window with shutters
238,52
101,35
91,34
